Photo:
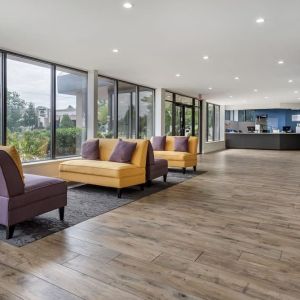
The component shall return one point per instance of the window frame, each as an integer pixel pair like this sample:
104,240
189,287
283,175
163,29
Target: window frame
53,67
213,122
116,109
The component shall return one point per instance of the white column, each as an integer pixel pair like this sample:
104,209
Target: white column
159,112
92,104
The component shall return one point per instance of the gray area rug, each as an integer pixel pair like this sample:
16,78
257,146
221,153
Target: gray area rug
85,202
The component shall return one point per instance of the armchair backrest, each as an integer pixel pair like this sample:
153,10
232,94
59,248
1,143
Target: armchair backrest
193,144
139,154
11,182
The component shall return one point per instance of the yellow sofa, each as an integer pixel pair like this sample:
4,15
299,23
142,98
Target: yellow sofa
106,173
179,159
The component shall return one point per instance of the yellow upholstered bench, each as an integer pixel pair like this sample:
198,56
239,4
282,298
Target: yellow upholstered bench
106,173
179,159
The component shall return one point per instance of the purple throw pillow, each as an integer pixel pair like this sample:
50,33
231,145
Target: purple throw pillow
158,143
181,143
123,152
90,149
150,155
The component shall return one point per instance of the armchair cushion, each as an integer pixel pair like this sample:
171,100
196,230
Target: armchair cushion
13,153
158,143
100,168
173,155
90,149
123,152
37,188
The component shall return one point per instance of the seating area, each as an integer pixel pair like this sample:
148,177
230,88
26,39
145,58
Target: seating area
149,150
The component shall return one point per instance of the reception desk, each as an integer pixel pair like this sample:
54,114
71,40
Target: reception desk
266,141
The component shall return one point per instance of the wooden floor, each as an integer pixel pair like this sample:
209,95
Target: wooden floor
231,233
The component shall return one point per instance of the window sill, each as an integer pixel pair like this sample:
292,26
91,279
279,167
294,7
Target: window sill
50,161
212,142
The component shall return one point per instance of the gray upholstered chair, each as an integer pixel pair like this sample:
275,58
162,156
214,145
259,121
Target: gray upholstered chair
22,200
155,167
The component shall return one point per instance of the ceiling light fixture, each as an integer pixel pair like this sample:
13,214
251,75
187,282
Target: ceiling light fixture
205,57
280,62
237,78
230,96
290,81
127,5
178,75
210,88
260,20
115,50
266,97
296,92
255,90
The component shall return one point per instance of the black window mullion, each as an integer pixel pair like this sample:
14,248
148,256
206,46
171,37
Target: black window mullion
53,111
137,113
116,109
4,98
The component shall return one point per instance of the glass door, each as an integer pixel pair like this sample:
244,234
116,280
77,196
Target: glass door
183,120
179,129
188,120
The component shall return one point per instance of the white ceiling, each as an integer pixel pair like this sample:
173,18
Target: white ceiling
159,38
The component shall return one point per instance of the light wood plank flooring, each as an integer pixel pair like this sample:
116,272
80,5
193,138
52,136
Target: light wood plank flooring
231,233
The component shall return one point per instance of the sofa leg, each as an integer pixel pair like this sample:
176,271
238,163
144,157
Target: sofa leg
10,231
165,177
195,168
142,186
183,170
61,213
119,193
149,182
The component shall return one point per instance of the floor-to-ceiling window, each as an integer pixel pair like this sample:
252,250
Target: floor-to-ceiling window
127,98
210,122
146,112
71,101
213,122
217,123
168,113
1,98
28,125
106,107
182,115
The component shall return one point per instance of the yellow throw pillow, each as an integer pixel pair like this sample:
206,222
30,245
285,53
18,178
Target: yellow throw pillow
13,153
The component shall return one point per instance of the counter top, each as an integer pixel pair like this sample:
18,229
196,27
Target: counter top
268,141
262,133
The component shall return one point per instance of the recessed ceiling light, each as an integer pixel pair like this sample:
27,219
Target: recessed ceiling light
260,20
127,5
266,97
290,81
255,90
236,78
178,75
205,57
210,88
296,92
230,96
280,62
115,50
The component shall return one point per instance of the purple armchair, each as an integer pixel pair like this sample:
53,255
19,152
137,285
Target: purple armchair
155,167
20,201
